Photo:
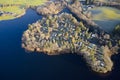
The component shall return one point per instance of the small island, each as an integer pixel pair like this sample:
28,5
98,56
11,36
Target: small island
74,32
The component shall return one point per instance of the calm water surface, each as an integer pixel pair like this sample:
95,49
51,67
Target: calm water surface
16,64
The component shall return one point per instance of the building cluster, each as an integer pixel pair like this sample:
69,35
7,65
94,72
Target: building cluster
4,13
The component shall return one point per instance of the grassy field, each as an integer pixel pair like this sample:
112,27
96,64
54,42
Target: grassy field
23,2
13,9
105,13
18,10
6,17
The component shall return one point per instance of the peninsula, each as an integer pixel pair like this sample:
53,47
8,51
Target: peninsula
59,33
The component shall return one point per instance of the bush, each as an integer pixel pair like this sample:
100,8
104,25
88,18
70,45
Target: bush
117,29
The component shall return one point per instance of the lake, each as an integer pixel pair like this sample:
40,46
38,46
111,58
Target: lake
16,64
107,25
106,17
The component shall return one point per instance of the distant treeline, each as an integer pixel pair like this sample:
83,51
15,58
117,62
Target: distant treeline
6,5
22,6
89,1
110,4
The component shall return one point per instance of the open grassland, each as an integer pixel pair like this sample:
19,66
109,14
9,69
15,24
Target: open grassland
23,2
6,17
13,9
105,13
17,10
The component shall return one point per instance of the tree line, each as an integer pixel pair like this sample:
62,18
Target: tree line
89,1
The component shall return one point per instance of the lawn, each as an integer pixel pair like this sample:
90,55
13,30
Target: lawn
105,13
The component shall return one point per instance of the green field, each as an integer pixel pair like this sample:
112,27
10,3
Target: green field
105,13
23,2
13,9
18,10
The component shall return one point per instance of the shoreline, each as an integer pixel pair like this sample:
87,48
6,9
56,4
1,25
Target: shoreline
18,16
84,38
66,50
14,16
56,45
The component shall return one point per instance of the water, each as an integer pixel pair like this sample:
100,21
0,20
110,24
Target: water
105,22
16,64
107,25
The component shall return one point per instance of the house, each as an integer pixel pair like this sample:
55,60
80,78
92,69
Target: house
102,64
91,46
1,13
93,35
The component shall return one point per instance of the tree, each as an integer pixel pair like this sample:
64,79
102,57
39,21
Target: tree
81,24
30,27
73,40
66,35
88,35
110,44
93,1
78,29
87,1
47,22
119,42
117,29
90,1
